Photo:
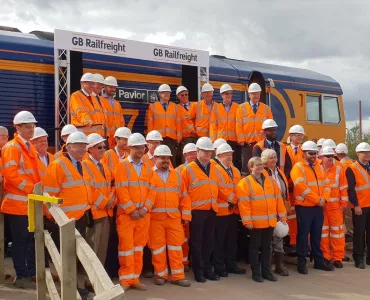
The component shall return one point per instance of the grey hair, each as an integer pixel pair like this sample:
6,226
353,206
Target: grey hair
2,128
266,154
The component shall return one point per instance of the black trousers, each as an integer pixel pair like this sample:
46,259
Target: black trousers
309,223
111,264
226,242
202,232
237,155
361,234
172,144
7,235
261,239
147,260
246,156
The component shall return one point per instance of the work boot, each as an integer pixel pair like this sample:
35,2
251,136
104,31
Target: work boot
279,264
346,258
199,276
147,274
257,277
221,273
269,277
302,269
139,286
326,266
159,281
360,265
212,276
181,282
24,283
186,268
338,264
237,270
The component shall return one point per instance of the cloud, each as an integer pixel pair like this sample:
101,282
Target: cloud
318,35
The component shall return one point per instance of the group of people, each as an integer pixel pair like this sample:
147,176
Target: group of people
188,214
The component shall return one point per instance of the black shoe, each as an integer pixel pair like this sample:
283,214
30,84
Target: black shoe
360,265
302,270
269,277
368,261
212,277
326,266
200,278
221,273
338,264
257,278
346,258
83,292
237,270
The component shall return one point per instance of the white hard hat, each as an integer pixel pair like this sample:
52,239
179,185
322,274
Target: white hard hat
320,141
24,117
327,151
68,129
269,123
320,152
136,139
363,147
204,143
207,87
123,132
224,148
296,129
180,89
87,77
164,88
94,139
281,229
341,148
162,150
254,87
329,143
218,142
225,88
99,78
39,132
111,81
77,137
309,146
189,147
288,140
154,135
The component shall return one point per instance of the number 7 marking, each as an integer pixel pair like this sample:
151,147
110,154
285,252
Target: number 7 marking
134,114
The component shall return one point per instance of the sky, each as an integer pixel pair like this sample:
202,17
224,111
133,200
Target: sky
324,36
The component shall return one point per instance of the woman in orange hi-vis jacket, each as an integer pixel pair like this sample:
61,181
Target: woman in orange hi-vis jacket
260,204
333,238
169,205
132,186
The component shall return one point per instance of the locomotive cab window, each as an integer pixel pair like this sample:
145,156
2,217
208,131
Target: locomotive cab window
322,109
330,110
313,108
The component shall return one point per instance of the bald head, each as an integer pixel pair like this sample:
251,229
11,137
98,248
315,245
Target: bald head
4,136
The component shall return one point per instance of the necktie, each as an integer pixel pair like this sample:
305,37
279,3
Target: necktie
28,145
230,171
295,150
97,97
186,107
100,166
79,168
254,108
313,169
165,106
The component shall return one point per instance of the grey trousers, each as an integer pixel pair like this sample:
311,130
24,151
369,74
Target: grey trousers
97,237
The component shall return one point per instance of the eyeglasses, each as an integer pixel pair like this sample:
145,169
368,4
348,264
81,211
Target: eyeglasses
312,153
329,156
184,95
101,147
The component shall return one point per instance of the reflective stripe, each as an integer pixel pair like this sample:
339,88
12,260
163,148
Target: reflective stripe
174,248
325,227
185,258
337,227
333,200
324,235
16,197
257,218
244,198
246,218
99,200
316,183
231,197
201,182
292,208
306,192
337,236
199,203
178,271
49,189
186,212
343,187
121,184
364,187
161,274
223,205
126,253
159,250
125,206
186,240
74,207
126,277
282,215
343,198
150,203
138,248
292,217
22,184
74,183
163,210
9,164
164,189
298,180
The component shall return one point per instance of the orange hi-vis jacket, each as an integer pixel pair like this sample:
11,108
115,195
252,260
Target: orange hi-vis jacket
111,159
283,150
20,172
100,115
338,192
149,159
227,190
308,188
346,162
202,189
294,157
167,122
131,189
64,181
83,111
180,168
223,123
168,199
260,206
102,189
249,124
200,115
41,165
362,187
62,151
113,115
187,126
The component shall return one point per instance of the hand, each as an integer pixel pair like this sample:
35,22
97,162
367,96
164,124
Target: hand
110,204
185,222
284,222
342,208
231,206
321,202
135,215
249,226
143,212
358,211
241,143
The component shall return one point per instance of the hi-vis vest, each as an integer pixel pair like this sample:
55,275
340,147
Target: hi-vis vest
41,165
131,189
64,181
113,115
200,115
281,158
168,199
111,159
249,124
20,172
187,126
222,123
362,187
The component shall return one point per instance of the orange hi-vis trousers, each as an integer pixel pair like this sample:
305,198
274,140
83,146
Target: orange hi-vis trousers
292,222
333,237
167,234
132,237
185,245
